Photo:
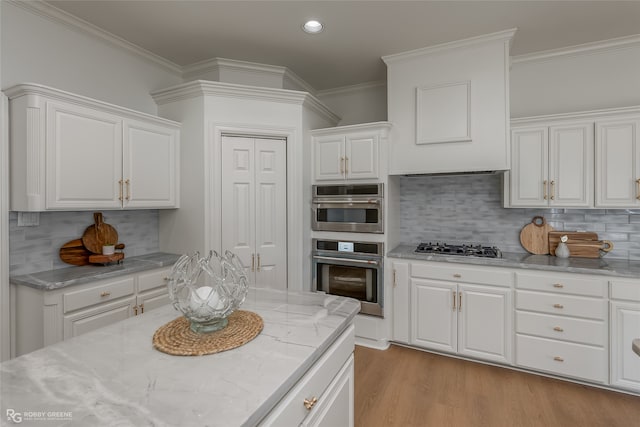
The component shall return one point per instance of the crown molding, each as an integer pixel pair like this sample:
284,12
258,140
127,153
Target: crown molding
343,90
298,81
27,89
506,35
349,128
589,115
59,16
231,90
578,50
189,72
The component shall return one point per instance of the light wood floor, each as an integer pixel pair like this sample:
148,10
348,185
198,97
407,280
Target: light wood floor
406,387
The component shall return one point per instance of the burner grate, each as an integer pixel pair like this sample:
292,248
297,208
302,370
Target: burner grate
461,250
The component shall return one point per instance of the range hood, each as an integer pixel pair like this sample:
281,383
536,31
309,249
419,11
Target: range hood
460,173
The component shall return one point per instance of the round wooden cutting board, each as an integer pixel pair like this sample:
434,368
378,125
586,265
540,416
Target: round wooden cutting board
99,234
534,237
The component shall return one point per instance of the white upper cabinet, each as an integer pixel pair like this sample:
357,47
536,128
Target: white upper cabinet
349,152
449,105
618,163
69,152
552,166
583,160
150,172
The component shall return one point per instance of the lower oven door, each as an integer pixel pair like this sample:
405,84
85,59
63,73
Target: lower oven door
354,278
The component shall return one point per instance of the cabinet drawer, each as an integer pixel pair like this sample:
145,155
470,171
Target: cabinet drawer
562,284
105,291
562,358
291,410
626,290
565,305
98,317
462,274
583,331
153,279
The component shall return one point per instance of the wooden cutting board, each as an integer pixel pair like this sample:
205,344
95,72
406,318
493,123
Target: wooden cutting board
98,234
573,237
534,237
75,253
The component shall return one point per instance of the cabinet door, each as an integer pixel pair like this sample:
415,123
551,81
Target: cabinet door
485,322
434,315
617,163
571,165
361,157
329,157
238,200
529,167
400,280
625,327
97,317
83,158
336,406
150,165
271,213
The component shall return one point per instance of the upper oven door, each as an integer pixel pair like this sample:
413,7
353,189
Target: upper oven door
354,215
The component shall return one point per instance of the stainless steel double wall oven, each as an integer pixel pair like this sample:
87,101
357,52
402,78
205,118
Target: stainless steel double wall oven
344,267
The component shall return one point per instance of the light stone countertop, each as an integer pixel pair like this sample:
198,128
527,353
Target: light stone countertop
599,266
113,376
63,277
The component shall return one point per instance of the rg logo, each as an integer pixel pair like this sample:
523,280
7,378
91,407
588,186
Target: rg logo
14,416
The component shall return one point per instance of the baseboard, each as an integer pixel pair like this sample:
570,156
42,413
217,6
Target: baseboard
370,343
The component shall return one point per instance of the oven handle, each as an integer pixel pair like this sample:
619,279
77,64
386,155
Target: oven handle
347,202
359,261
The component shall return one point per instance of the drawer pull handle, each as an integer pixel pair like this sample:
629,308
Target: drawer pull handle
558,306
558,329
105,294
309,403
454,300
558,285
558,359
167,278
457,276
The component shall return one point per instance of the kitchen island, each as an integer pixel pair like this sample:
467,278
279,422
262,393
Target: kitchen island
114,376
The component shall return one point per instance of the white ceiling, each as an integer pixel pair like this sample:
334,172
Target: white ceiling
357,33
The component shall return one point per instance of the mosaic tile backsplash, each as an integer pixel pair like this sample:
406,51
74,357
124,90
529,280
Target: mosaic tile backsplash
468,208
33,249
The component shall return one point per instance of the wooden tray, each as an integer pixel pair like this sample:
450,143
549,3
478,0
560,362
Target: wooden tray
574,237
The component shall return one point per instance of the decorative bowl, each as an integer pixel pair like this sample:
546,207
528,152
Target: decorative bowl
207,290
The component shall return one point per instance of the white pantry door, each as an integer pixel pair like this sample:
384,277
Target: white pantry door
254,207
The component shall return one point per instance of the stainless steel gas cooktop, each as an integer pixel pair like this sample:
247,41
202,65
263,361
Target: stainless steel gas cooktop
463,250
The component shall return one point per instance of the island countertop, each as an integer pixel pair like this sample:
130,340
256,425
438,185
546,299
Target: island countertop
114,376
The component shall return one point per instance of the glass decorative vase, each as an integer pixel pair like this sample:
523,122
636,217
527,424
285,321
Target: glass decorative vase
207,290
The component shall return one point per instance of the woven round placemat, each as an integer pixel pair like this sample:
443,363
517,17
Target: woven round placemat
178,339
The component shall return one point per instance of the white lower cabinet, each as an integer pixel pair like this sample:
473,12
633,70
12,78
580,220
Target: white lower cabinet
470,319
324,396
625,327
44,317
561,325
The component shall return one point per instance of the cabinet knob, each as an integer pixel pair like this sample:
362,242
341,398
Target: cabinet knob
558,306
309,403
558,359
105,294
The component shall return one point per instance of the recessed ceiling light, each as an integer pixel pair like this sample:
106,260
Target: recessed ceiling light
312,27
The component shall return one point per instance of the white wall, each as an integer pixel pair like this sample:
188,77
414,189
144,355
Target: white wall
356,104
40,50
585,81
